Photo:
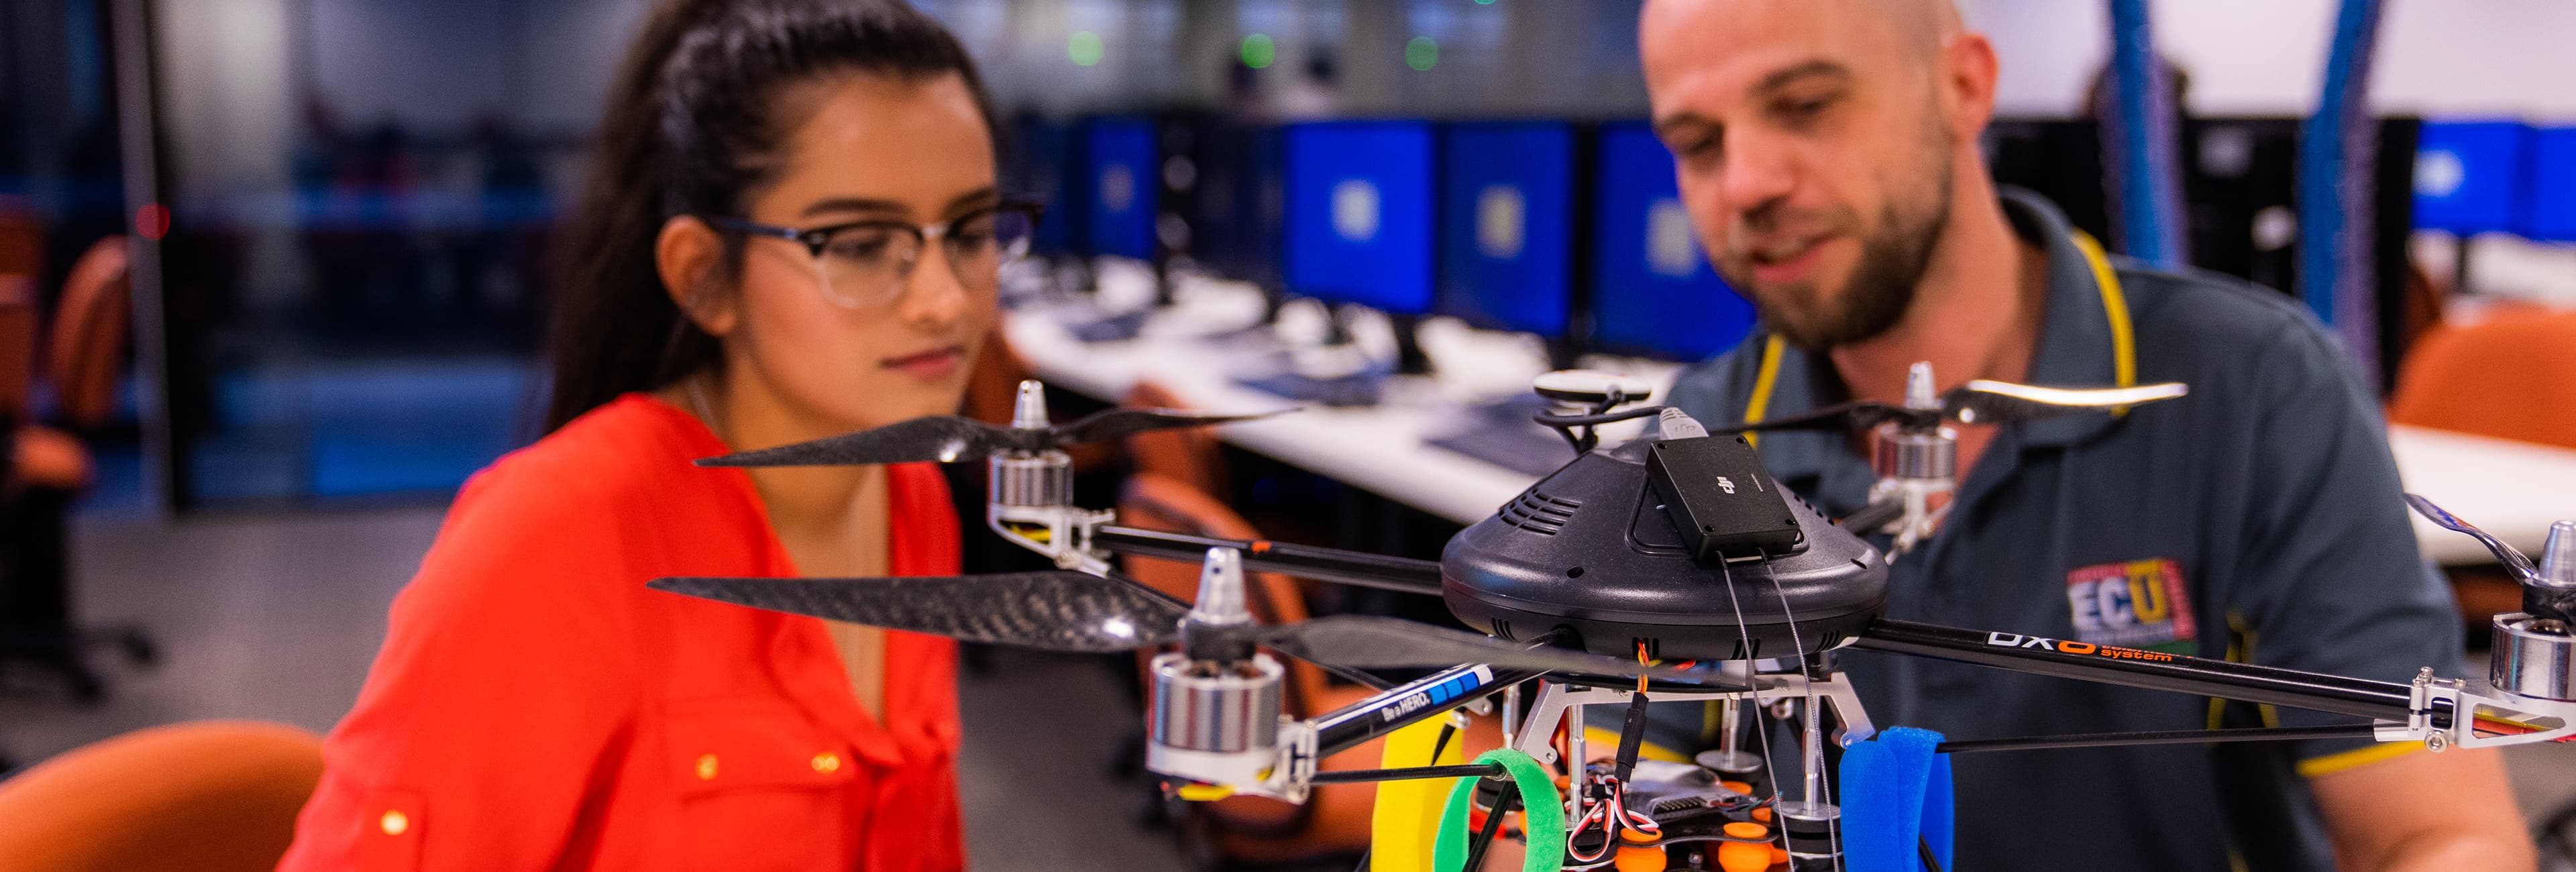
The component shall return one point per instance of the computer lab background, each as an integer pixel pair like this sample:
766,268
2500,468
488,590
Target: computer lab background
287,260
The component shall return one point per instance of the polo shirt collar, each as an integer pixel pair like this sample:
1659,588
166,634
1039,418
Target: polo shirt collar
2075,349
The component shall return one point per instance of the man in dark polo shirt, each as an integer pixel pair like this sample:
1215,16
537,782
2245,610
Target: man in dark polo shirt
1827,154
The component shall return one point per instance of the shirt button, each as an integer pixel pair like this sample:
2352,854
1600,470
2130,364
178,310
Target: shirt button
827,762
394,823
706,767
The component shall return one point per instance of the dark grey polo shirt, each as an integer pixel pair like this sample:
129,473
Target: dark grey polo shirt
2257,519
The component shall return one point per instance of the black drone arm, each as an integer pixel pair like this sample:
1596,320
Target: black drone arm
1362,569
2153,670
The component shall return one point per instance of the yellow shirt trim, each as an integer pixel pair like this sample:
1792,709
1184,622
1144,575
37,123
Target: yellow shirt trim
2319,767
2115,308
1763,378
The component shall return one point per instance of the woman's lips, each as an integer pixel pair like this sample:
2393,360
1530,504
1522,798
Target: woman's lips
932,365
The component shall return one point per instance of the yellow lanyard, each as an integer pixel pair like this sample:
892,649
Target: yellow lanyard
2115,309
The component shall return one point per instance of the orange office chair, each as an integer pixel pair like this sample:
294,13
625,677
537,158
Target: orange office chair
209,796
22,239
1335,819
84,355
86,351
992,389
1190,456
2510,375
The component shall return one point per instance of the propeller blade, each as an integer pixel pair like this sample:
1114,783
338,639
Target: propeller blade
946,439
1111,424
1994,402
1054,610
2508,555
1372,642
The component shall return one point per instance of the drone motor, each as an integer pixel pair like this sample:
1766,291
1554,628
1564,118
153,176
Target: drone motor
1215,717
2535,654
1214,722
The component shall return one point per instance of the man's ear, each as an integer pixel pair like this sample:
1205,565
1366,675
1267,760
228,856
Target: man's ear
689,254
1967,81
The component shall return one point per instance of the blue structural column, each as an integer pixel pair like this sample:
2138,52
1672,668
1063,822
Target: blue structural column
2337,150
2139,134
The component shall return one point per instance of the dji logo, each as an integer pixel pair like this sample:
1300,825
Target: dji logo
1726,484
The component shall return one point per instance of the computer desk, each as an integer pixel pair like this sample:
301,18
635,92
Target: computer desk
2511,489
1381,449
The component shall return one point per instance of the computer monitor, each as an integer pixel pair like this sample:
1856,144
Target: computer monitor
2553,184
1039,168
1653,291
1121,182
1506,232
1359,213
1237,206
2468,175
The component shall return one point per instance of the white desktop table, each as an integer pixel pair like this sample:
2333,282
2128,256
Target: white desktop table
2511,489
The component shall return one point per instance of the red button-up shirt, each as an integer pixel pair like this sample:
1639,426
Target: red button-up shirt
536,707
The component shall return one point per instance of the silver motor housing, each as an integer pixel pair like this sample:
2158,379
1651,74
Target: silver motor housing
1216,723
2533,658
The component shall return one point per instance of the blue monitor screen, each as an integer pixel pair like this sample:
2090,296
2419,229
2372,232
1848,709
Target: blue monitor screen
2467,174
1119,187
1359,213
1039,148
2553,184
1653,291
1506,239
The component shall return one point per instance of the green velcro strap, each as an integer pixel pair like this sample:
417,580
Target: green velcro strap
1544,826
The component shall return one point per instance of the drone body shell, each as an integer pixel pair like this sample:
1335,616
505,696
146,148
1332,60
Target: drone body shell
1589,548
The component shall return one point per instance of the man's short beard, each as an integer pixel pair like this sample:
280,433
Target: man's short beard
1882,284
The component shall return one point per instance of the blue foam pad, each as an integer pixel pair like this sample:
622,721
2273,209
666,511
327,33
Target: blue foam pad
1896,794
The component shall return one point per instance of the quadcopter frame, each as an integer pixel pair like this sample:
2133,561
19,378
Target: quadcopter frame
1030,505
1216,725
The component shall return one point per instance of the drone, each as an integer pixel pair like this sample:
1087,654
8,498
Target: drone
1605,583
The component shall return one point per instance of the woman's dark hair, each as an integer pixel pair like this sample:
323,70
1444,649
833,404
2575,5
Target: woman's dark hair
691,129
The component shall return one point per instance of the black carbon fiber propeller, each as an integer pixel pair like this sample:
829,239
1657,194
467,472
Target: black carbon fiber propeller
1051,610
949,439
1977,402
1062,610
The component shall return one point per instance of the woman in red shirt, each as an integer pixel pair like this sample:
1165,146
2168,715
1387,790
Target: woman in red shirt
792,231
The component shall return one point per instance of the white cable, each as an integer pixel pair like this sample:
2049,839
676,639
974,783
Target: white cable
1816,718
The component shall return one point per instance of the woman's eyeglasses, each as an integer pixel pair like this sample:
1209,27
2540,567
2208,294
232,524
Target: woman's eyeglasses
864,264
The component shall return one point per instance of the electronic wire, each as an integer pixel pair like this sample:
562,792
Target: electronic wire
1811,740
1770,771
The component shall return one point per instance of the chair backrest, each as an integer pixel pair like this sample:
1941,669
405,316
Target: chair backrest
22,239
1153,502
992,389
209,796
18,316
2510,375
1190,456
86,349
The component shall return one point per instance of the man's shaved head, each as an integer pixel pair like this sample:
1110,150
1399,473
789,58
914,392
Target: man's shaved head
1817,145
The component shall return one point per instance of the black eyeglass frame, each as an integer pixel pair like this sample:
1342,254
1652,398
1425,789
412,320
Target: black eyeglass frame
815,239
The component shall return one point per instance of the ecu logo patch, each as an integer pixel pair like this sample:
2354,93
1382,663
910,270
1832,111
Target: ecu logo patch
2143,603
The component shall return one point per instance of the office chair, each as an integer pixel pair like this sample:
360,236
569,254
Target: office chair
208,796
2510,374
22,240
50,468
